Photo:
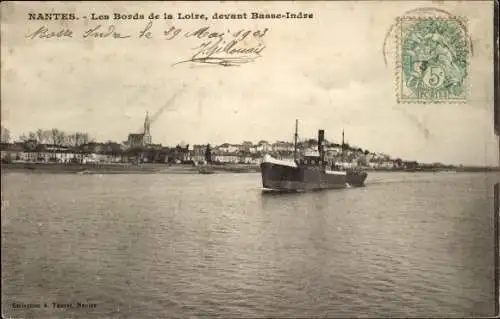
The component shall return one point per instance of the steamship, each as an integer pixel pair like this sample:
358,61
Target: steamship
309,171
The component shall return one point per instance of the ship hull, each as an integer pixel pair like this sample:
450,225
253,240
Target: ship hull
356,178
285,178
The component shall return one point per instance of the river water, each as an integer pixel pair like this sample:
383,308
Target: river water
170,246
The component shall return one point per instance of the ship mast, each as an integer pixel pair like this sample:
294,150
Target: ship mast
296,136
342,153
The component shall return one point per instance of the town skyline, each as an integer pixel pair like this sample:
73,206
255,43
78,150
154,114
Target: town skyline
105,87
309,133
56,136
61,138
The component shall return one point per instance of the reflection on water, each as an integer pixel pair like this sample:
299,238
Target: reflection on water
216,245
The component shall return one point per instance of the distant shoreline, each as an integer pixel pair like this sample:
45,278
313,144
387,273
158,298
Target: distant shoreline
150,168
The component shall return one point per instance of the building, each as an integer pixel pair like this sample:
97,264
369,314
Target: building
135,140
141,139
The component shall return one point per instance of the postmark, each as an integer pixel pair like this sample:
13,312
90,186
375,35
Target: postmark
432,62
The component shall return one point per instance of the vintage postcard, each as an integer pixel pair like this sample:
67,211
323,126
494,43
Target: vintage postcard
249,159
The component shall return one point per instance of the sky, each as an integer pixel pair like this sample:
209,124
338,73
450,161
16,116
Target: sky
328,72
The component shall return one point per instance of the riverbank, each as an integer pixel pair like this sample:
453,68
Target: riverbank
148,168
55,168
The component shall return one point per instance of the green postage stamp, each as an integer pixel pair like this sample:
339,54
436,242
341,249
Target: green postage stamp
433,60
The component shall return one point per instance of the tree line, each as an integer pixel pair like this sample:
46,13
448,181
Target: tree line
52,136
57,137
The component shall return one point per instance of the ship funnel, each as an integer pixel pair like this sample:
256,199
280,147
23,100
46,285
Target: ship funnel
321,138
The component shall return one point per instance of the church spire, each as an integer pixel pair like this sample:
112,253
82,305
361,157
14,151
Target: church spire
147,140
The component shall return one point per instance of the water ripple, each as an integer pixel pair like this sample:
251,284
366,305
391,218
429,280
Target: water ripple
180,246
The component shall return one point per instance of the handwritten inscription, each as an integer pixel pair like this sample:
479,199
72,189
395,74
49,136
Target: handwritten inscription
44,33
227,49
102,32
214,45
219,47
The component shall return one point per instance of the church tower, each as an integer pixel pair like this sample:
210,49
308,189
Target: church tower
147,133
